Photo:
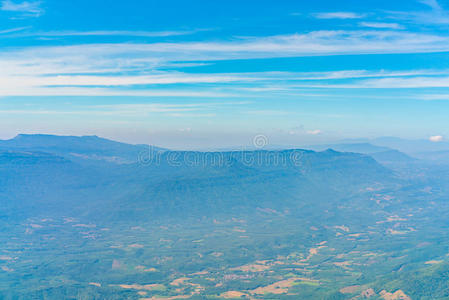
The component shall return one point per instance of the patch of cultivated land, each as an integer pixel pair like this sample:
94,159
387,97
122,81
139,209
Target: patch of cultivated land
280,287
164,264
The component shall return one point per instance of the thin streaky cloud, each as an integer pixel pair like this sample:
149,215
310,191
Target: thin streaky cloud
414,82
432,4
55,112
354,74
436,14
22,69
168,107
338,15
316,43
95,91
387,83
64,80
431,97
105,113
260,82
11,30
379,25
181,109
268,112
130,33
25,8
192,115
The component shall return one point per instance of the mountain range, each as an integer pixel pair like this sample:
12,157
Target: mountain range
99,177
90,218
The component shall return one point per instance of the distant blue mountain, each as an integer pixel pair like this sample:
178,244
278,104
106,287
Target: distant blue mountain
365,148
439,157
173,183
381,154
74,147
392,156
411,146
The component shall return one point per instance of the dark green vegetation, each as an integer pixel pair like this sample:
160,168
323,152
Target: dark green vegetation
87,218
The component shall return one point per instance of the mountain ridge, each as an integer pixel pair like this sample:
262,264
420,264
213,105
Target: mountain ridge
161,183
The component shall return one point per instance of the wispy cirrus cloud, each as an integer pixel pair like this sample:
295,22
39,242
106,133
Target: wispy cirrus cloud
268,112
29,90
24,9
125,33
432,97
94,80
435,14
11,30
413,82
380,25
168,107
388,83
156,84
333,42
204,109
99,69
338,15
354,74
432,4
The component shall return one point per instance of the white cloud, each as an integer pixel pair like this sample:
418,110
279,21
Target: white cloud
269,112
192,115
436,15
26,8
81,69
408,83
308,44
12,30
127,56
205,109
338,15
434,97
94,91
389,82
95,80
381,25
314,132
431,3
18,84
112,33
353,74
436,138
164,107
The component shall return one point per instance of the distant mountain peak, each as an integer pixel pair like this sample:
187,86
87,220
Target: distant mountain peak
88,147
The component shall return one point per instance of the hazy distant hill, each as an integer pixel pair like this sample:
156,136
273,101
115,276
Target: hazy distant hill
410,147
404,150
174,182
275,179
84,147
32,182
381,154
439,157
392,156
365,148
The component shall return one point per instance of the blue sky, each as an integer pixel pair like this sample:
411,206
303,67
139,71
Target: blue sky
189,74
